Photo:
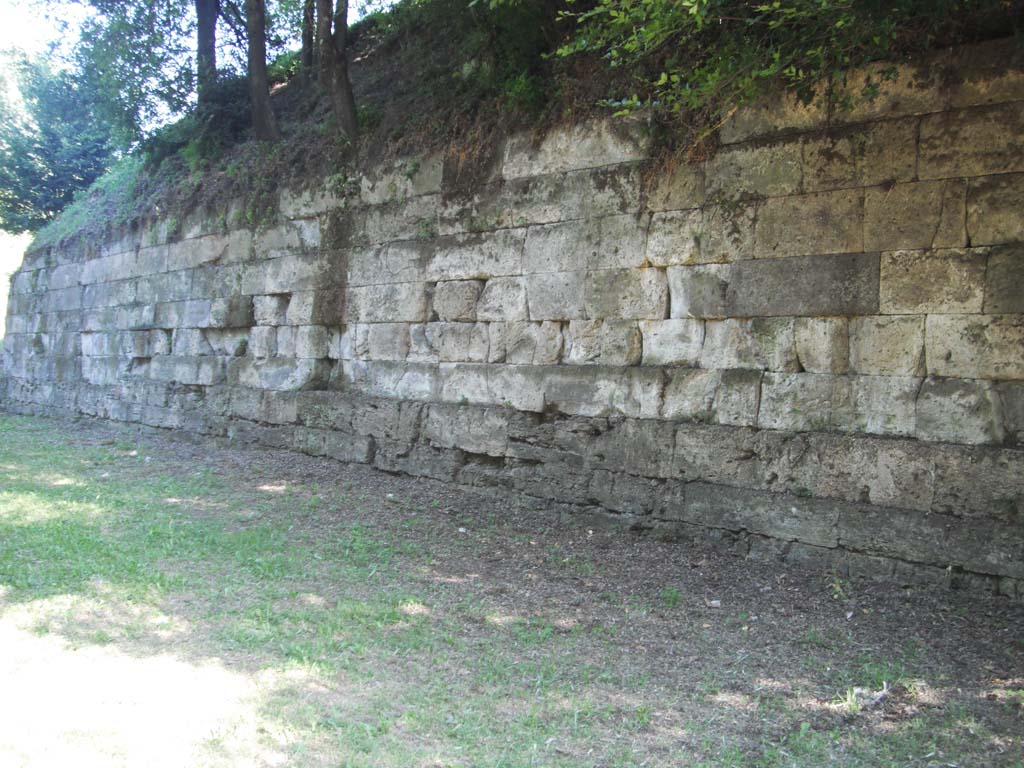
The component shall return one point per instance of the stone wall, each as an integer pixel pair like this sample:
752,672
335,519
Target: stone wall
809,346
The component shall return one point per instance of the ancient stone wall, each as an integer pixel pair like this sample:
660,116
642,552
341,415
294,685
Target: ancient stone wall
809,345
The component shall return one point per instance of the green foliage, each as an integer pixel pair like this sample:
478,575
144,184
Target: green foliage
284,67
51,143
704,57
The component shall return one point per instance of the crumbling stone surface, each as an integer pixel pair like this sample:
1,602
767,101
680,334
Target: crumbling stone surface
814,337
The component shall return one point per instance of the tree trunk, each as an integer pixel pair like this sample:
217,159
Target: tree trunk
264,125
308,31
206,47
334,64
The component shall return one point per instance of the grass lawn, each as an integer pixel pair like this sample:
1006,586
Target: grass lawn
165,603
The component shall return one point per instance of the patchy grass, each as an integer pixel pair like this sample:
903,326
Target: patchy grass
168,603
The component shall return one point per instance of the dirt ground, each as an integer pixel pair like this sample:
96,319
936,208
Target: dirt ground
168,602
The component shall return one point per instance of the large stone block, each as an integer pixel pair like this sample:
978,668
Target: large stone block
760,343
672,342
800,401
675,237
387,341
727,233
825,222
774,114
972,142
398,302
397,262
959,411
690,394
478,256
456,299
679,188
925,214
584,145
1004,280
409,177
699,291
636,294
975,346
823,344
863,156
738,398
994,204
556,295
755,170
987,73
620,343
469,428
948,281
610,242
879,90
503,299
887,346
458,342
877,405
607,191
529,343
322,307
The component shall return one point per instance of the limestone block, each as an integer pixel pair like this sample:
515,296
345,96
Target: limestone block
822,344
415,218
759,343
406,178
879,90
738,399
478,256
672,342
824,222
297,204
636,294
469,428
948,281
286,341
1004,280
456,299
608,242
322,307
233,312
398,302
675,238
555,295
584,145
137,316
420,349
496,342
690,394
679,188
576,195
63,300
699,291
481,208
749,170
988,73
297,272
263,341
227,342
533,343
972,142
620,343
926,214
518,387
727,232
93,344
640,447
976,346
582,341
994,204
271,309
1011,399
503,299
387,341
313,341
878,405
459,342
398,262
978,483
959,411
887,346
203,370
283,374
776,113
800,401
623,493
465,383
866,155
190,341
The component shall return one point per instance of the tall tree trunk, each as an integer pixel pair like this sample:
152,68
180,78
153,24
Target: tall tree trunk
334,64
308,33
206,47
263,123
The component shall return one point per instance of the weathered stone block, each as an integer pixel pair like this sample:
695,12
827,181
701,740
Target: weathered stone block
233,312
975,346
1004,280
456,299
397,262
503,299
190,341
398,302
727,233
1011,399
576,146
690,394
825,222
987,73
620,343
607,191
263,341
775,113
760,343
699,291
945,281
556,295
458,342
877,153
738,399
877,405
800,401
876,91
636,294
822,344
323,307
610,242
681,187
387,341
972,142
959,411
674,238
581,341
478,256
228,342
472,429
748,170
407,178
925,214
533,343
887,346
672,342
313,341
994,204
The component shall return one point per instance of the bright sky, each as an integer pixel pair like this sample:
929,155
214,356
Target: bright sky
32,26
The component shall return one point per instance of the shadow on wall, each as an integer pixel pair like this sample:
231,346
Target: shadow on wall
12,249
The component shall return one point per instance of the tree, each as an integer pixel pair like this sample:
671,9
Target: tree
332,34
52,144
207,12
263,123
307,56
